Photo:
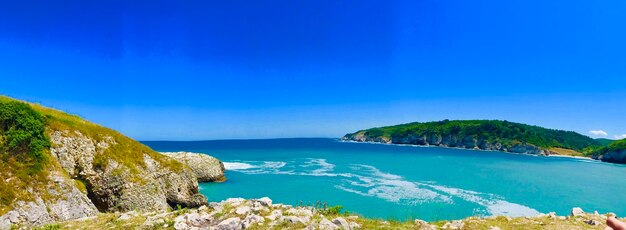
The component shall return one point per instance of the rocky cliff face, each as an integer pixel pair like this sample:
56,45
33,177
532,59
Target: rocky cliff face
64,202
205,167
613,157
115,186
88,168
467,142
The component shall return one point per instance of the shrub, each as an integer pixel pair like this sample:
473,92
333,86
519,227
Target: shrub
23,138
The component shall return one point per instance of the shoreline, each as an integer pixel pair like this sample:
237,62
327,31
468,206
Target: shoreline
460,148
238,214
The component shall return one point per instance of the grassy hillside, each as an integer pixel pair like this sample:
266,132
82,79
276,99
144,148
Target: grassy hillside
25,149
24,157
504,132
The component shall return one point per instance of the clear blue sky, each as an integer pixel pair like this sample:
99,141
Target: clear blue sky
191,70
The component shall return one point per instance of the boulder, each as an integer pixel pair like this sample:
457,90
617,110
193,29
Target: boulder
233,223
577,211
251,220
593,222
265,201
276,214
423,225
293,220
457,224
242,210
342,223
206,168
326,224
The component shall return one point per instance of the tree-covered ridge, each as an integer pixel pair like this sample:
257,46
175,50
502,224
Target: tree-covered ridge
605,141
615,146
493,131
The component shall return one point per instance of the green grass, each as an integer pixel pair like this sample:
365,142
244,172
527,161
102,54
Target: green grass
24,155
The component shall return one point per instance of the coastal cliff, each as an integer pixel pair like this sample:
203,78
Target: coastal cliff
468,142
58,167
615,152
478,134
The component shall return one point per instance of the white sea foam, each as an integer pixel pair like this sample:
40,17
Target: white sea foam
254,166
237,166
494,205
367,180
390,187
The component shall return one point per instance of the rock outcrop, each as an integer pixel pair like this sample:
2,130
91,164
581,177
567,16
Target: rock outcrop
87,168
206,168
467,142
118,186
613,157
64,202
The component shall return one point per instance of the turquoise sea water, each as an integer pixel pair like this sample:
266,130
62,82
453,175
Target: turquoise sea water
405,182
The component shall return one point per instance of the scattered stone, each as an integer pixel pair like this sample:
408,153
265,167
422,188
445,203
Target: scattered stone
276,214
293,220
342,223
242,210
494,228
180,218
202,208
423,225
593,222
151,223
180,226
229,224
127,216
300,211
234,201
457,224
260,209
326,224
197,220
5,224
552,215
252,219
265,201
577,211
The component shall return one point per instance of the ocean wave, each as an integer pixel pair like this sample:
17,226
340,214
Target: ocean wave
257,166
367,180
237,166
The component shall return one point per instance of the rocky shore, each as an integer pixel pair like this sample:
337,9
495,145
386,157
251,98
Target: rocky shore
238,213
452,142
